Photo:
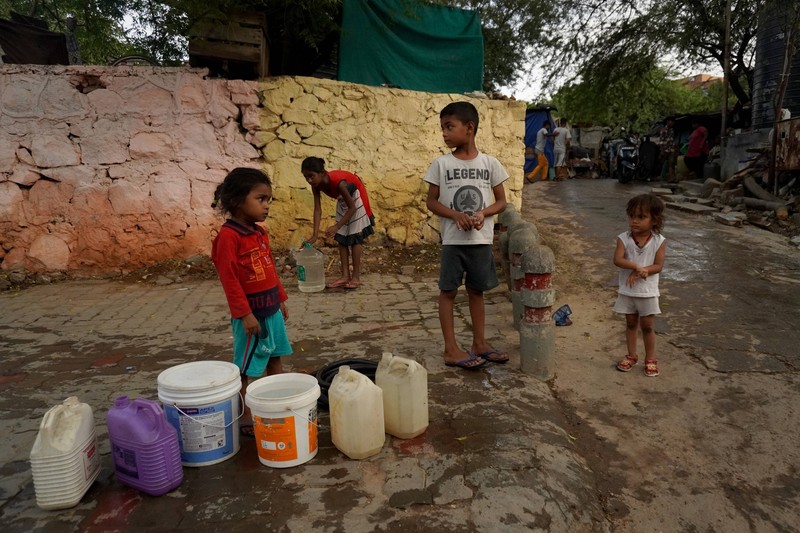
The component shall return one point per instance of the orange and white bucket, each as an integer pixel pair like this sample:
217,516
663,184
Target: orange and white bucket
284,408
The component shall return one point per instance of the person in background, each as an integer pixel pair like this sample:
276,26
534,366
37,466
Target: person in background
354,219
542,165
562,139
246,269
667,150
465,188
697,151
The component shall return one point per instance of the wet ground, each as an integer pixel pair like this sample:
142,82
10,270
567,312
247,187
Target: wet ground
495,452
710,445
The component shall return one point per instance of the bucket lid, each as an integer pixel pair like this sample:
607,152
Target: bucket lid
198,375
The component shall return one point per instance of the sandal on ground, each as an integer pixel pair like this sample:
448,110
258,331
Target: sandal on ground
472,362
336,284
247,430
627,364
650,368
494,356
352,284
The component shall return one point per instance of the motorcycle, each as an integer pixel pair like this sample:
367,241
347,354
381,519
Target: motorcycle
625,163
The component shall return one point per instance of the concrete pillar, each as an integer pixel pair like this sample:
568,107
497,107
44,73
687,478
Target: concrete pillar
537,336
523,236
505,221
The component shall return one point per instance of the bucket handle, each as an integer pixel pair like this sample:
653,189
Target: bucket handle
226,426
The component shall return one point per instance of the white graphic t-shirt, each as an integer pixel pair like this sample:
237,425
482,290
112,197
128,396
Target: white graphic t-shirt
466,186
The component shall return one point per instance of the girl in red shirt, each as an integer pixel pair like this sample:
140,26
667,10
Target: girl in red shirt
246,268
354,219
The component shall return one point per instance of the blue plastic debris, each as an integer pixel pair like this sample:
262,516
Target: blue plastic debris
561,316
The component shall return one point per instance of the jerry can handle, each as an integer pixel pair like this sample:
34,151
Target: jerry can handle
153,410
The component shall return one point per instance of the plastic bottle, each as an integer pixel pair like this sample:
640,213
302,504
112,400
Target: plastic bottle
404,383
144,446
310,269
356,411
64,458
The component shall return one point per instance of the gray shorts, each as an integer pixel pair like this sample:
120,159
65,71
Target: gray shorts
474,260
628,305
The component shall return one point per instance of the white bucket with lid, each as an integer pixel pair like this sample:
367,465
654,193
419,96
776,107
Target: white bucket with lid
284,408
201,400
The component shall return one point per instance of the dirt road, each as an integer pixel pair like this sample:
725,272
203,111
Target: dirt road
710,444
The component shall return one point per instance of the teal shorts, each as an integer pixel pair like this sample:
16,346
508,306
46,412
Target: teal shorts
273,342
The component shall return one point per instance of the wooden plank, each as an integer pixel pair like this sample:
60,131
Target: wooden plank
220,50
227,32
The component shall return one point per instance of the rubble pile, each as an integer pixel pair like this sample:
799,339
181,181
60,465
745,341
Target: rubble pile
744,198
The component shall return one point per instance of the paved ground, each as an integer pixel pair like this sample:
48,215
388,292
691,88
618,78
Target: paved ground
710,445
496,456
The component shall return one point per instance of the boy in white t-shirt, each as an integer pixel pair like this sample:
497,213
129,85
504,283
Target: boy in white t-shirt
466,191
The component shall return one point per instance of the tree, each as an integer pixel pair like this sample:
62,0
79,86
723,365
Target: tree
99,24
510,29
636,102
618,39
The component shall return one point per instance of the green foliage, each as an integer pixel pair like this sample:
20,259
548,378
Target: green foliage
611,36
99,30
636,101
511,31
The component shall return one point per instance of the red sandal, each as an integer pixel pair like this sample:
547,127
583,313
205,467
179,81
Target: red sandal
650,368
628,363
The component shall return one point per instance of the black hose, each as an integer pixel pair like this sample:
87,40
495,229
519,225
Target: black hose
326,374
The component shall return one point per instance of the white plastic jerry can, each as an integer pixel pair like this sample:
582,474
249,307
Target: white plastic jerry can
64,458
404,383
356,410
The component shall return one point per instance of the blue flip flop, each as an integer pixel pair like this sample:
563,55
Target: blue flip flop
487,356
464,362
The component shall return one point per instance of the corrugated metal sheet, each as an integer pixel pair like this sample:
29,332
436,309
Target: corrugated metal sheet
770,50
788,156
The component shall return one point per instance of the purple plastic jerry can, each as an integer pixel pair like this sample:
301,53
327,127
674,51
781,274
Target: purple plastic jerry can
144,446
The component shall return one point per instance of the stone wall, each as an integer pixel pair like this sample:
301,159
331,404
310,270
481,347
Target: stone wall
109,169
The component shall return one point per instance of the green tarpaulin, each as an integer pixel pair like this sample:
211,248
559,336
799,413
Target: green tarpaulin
412,45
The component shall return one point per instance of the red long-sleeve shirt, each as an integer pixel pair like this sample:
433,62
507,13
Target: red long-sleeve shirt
247,271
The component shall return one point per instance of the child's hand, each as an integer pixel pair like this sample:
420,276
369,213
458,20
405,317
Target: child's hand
331,231
284,311
251,325
477,221
633,277
463,221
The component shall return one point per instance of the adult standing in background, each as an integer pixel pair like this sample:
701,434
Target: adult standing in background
697,151
561,144
542,165
667,150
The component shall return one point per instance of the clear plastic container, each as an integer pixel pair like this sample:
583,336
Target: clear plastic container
310,269
356,411
404,383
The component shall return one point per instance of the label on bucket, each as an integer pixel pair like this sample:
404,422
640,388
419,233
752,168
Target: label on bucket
206,432
202,432
276,437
